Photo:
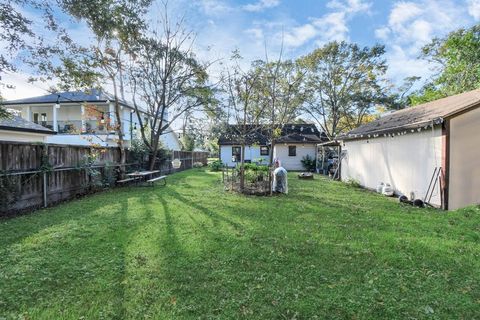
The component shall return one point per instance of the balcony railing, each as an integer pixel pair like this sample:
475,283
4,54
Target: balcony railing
75,127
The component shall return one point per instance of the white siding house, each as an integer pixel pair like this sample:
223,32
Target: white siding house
291,155
405,148
69,115
229,154
295,142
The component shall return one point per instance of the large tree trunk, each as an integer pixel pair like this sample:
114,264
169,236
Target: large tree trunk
119,130
120,141
153,158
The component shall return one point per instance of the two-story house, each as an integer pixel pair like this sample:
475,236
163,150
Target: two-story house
84,118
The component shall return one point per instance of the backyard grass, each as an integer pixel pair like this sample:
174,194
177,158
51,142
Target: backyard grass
192,251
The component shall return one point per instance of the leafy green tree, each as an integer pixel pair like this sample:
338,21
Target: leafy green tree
28,44
167,78
282,93
344,83
241,99
457,57
188,142
117,26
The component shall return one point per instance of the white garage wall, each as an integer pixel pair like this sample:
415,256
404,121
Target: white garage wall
464,184
406,162
293,163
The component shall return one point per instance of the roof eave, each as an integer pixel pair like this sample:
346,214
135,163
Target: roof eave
8,128
376,133
462,110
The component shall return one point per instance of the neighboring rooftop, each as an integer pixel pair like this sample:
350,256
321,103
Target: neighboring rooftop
15,123
93,95
418,116
305,133
233,134
291,133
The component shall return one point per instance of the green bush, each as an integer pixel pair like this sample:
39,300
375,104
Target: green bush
353,183
216,165
255,167
253,172
308,163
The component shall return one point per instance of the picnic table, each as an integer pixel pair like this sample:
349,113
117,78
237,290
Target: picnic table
144,176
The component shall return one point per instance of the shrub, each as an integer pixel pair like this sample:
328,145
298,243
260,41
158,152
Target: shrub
353,183
197,165
308,163
216,165
253,172
255,167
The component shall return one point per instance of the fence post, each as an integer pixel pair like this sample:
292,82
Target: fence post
45,191
45,182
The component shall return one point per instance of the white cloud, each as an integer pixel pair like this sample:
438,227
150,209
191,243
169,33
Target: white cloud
21,88
410,26
214,7
300,35
261,5
351,6
332,26
402,12
329,27
414,24
401,65
256,33
382,33
474,8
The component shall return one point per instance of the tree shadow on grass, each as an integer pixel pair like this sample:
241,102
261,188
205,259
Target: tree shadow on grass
81,263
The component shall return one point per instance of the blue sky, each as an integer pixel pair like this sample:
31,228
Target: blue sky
403,26
251,25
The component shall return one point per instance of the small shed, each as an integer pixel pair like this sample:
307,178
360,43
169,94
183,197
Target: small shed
429,152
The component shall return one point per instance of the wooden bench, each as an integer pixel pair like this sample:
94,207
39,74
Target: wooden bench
126,180
163,178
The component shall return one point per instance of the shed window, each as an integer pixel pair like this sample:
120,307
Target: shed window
264,150
292,151
236,154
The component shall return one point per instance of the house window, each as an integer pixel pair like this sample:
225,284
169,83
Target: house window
44,119
236,154
292,151
35,118
264,151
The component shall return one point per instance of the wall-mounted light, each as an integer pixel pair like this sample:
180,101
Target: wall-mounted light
102,118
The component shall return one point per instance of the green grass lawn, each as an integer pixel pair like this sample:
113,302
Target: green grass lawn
191,250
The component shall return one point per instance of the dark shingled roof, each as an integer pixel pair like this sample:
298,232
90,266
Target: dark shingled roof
254,135
417,116
304,133
15,123
291,133
93,95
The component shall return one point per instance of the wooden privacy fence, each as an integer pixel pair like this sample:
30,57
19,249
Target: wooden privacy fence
38,175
